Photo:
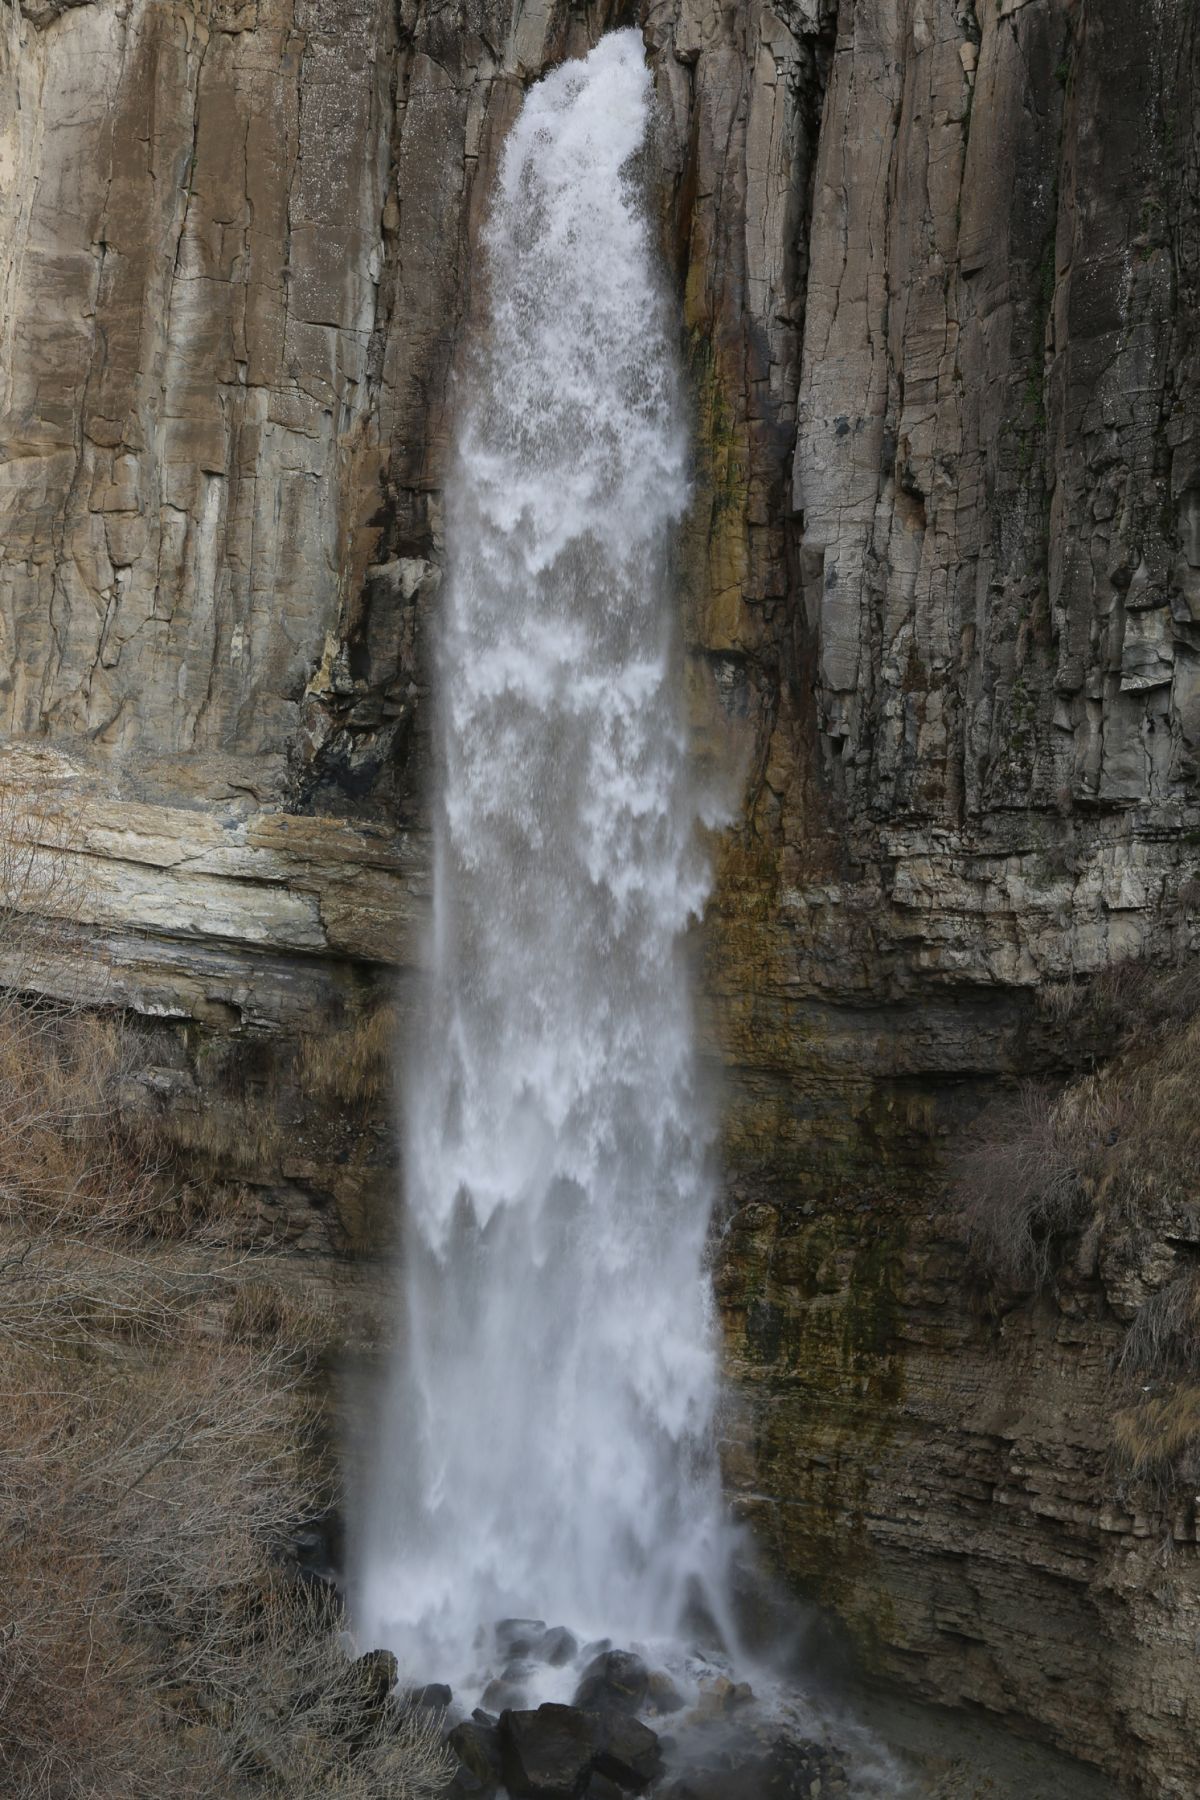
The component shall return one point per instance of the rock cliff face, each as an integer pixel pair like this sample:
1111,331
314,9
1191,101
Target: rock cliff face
940,586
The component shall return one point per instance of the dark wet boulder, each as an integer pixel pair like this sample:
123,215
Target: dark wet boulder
315,1547
627,1751
662,1696
547,1754
601,1788
614,1681
502,1694
373,1676
477,1747
435,1695
516,1637
558,1647
465,1786
363,1696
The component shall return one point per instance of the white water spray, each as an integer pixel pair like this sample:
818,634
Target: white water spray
547,1446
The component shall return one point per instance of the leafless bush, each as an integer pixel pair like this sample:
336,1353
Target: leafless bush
1020,1190
161,1440
68,1152
1113,1153
1115,1146
1124,1005
298,1719
148,1648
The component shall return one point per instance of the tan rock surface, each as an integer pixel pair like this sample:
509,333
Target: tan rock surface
938,262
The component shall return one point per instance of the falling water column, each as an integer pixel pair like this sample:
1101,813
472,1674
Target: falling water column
546,1448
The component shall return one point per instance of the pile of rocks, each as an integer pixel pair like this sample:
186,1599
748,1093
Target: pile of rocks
595,1748
554,1753
598,1747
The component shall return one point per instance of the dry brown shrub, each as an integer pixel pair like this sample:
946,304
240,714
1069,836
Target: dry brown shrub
294,1718
1019,1188
68,1150
1115,1146
1114,1152
161,1441
1123,1005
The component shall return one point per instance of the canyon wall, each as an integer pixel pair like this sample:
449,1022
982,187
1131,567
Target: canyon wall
940,600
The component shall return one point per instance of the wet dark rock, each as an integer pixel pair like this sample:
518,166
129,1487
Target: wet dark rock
484,1718
363,1696
662,1695
477,1747
601,1788
547,1754
558,1647
716,1698
315,1548
465,1786
435,1694
616,1680
501,1695
516,1637
374,1676
627,1752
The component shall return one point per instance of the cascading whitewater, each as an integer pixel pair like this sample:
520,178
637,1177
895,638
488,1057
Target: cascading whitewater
547,1447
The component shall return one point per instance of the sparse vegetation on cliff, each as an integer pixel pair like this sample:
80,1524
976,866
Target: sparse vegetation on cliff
1105,1168
162,1443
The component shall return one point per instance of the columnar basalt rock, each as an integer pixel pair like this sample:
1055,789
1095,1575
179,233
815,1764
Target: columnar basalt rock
940,584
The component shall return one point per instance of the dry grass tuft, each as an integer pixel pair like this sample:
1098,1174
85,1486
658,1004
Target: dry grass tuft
351,1067
1164,1339
1110,1154
1020,1189
68,1151
1109,1147
1123,1005
1159,1434
240,1137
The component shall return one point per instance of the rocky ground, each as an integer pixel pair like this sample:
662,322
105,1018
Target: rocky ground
632,1729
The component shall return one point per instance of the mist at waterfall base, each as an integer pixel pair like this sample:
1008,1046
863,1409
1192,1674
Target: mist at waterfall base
546,1448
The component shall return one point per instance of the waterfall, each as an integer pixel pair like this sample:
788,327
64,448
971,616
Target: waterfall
546,1448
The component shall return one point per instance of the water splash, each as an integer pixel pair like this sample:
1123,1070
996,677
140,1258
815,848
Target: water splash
546,1449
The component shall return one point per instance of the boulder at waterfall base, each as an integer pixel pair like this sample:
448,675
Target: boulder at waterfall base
563,1753
547,1754
615,1681
627,1751
477,1747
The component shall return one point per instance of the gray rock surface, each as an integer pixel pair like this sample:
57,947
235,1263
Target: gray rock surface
940,594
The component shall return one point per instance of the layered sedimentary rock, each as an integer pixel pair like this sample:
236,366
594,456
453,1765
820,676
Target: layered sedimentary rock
940,593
